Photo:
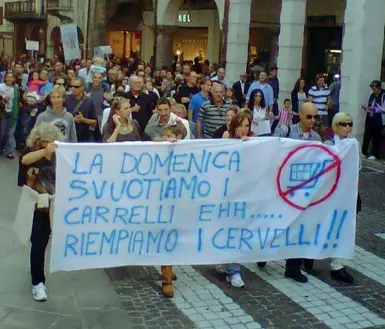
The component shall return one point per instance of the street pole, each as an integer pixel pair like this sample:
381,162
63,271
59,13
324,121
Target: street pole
224,34
155,3
86,53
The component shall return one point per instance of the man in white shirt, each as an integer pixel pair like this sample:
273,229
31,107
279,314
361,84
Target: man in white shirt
221,77
83,73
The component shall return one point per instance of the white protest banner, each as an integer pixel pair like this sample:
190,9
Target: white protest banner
70,41
203,202
32,45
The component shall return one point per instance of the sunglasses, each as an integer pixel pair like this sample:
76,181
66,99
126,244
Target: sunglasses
315,117
75,86
60,84
346,124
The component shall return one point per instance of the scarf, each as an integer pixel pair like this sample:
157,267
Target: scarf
15,103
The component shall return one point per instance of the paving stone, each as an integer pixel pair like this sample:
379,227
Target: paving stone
261,305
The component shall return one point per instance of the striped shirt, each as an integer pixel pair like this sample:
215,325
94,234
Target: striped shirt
213,116
320,98
285,118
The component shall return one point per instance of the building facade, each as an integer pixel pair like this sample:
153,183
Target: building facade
301,37
6,33
40,20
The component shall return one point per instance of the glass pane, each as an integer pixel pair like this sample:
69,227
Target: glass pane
115,39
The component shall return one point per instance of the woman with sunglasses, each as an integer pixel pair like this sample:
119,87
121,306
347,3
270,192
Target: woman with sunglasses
342,126
261,125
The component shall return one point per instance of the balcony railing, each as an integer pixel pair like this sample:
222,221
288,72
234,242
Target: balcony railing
61,5
28,9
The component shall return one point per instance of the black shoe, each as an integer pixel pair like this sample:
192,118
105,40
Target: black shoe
343,276
10,156
261,265
308,264
296,276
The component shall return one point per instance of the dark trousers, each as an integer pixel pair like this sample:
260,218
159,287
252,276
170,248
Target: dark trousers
293,264
373,130
41,230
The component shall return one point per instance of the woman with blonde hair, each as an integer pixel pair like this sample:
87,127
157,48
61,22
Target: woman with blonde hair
342,126
37,171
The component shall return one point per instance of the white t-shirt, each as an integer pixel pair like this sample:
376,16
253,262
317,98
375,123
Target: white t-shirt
259,114
301,99
9,92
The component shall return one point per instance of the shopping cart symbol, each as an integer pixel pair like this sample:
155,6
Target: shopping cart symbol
305,175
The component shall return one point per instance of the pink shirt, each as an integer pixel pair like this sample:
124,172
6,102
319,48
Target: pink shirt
285,118
34,85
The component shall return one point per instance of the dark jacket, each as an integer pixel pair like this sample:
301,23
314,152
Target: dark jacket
380,101
294,100
146,107
238,93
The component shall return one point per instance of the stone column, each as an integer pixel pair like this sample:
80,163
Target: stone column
164,43
147,37
238,38
290,44
362,50
97,34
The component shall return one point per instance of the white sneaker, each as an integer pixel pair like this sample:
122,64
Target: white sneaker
235,280
372,157
39,292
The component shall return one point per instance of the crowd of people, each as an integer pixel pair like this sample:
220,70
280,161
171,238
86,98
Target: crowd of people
100,101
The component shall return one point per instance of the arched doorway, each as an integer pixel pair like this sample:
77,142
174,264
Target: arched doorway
57,42
195,28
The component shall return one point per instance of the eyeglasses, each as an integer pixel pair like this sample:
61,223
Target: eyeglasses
75,86
346,124
315,117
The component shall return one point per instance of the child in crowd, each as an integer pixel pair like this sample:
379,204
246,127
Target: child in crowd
34,83
285,115
175,131
181,111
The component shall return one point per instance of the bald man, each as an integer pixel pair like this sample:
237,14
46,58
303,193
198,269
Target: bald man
143,103
303,130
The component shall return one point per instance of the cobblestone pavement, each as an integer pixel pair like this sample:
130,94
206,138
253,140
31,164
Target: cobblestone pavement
203,299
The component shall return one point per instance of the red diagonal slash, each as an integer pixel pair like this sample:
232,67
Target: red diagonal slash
335,165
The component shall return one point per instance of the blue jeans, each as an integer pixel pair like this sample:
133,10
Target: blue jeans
232,269
7,134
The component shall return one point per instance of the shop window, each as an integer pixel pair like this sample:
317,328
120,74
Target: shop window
124,43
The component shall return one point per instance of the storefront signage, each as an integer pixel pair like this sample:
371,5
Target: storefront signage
184,18
325,20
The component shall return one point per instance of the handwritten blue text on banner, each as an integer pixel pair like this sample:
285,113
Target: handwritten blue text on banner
203,202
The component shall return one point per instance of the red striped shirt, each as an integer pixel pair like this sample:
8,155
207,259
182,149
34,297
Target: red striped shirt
285,118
